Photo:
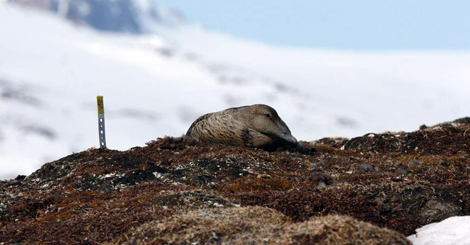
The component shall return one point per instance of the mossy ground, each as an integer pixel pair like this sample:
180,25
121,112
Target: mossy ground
400,181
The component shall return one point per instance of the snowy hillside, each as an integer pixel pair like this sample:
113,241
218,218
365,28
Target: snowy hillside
155,85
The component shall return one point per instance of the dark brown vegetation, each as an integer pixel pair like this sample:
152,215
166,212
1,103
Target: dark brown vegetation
400,181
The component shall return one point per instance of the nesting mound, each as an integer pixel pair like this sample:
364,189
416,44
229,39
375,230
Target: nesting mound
400,181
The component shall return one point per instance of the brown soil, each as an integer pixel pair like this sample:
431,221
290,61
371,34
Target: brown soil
399,181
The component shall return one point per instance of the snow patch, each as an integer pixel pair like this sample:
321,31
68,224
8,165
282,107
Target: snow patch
453,230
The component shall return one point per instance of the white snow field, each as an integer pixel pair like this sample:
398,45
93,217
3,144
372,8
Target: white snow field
156,84
451,231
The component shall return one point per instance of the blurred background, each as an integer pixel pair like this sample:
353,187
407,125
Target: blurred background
330,68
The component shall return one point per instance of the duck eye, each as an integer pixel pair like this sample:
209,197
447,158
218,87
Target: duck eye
267,115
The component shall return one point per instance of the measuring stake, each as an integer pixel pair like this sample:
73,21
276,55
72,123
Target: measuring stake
101,131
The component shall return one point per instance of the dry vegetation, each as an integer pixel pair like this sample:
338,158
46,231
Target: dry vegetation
374,189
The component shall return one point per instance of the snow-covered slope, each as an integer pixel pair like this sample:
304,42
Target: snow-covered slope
375,91
156,85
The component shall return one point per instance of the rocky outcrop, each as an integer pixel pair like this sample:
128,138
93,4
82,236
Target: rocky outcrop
130,16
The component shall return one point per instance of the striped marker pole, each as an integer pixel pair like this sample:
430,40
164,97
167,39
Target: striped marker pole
101,131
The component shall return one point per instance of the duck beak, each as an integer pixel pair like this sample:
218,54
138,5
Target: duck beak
289,138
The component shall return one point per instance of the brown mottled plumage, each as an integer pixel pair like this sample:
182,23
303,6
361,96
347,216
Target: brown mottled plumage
256,126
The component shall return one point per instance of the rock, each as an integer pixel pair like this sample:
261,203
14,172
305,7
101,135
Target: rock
435,210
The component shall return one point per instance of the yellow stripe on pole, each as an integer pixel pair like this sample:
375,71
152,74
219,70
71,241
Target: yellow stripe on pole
99,99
